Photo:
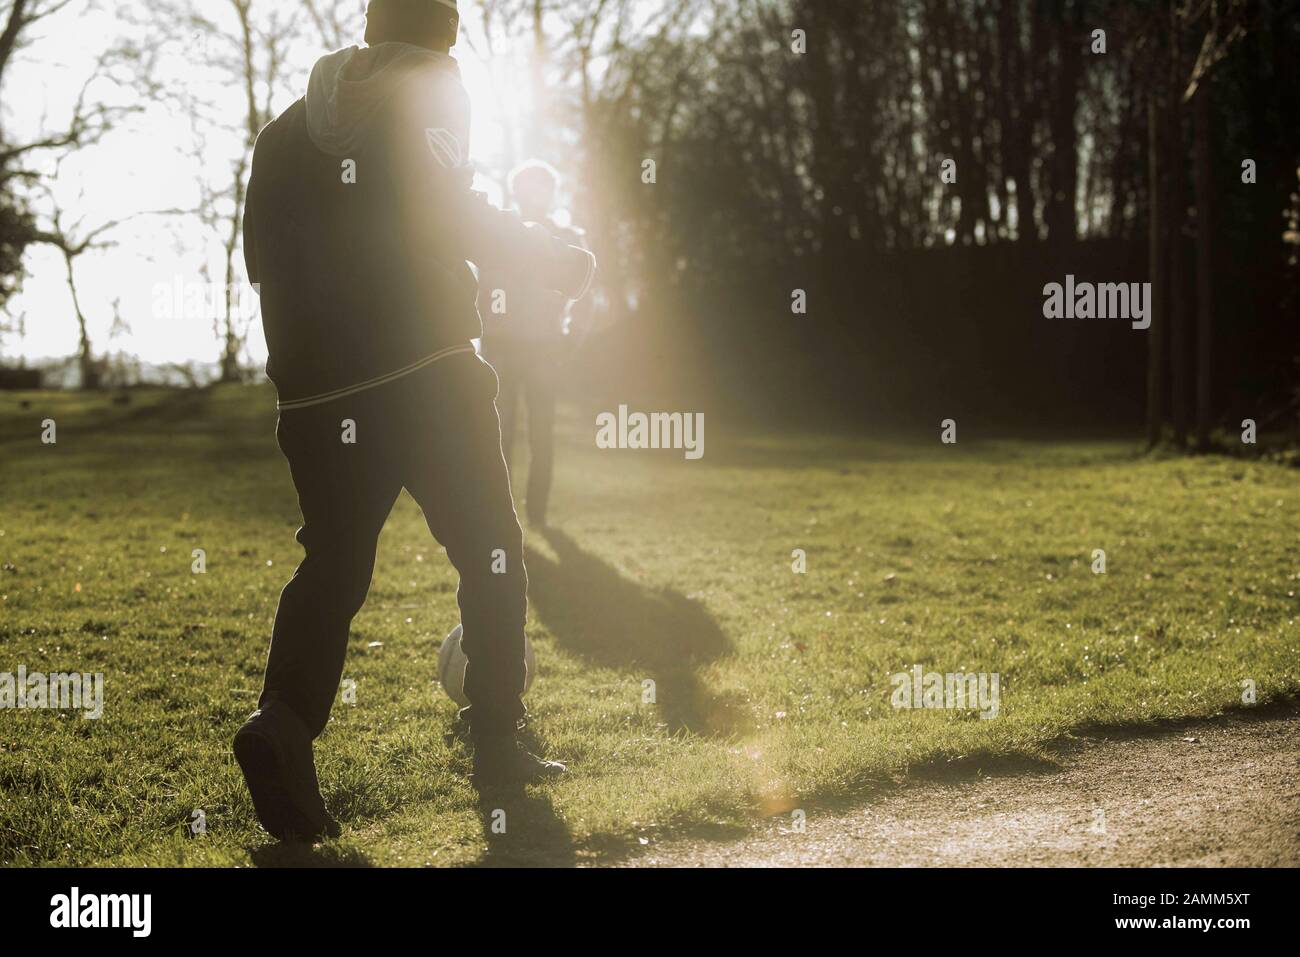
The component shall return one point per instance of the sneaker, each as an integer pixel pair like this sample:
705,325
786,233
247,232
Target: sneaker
274,752
503,760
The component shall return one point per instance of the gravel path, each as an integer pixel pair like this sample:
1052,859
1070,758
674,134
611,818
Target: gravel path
1221,793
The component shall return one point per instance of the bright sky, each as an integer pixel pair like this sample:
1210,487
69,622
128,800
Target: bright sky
150,164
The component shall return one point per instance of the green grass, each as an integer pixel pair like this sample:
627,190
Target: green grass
773,689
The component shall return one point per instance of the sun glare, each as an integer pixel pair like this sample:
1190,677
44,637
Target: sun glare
150,164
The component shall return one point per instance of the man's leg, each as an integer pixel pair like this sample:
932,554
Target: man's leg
456,472
540,397
345,492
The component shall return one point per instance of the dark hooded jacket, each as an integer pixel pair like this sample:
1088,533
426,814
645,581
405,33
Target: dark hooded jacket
360,224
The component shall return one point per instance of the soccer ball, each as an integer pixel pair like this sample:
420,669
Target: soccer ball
452,662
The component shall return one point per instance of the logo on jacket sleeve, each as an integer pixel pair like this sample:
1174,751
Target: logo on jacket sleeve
445,147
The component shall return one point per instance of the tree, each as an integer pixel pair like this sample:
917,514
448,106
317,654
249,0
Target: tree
1222,24
244,45
74,239
29,210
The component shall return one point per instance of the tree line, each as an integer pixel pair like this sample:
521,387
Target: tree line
790,141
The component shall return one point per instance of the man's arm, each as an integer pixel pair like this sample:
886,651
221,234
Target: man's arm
429,138
251,211
580,319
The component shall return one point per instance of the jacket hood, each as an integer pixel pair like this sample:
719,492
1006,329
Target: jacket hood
348,86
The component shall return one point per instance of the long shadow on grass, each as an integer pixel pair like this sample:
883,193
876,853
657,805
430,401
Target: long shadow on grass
522,829
308,855
654,633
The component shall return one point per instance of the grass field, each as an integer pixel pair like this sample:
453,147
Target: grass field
772,688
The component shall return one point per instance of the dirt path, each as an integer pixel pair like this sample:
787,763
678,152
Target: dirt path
1230,797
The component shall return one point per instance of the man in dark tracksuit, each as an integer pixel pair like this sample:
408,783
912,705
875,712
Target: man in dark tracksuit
358,227
526,328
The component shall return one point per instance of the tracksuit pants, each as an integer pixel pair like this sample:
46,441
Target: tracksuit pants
435,433
528,375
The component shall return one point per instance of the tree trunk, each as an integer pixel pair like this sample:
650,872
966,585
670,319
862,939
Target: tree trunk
539,62
85,357
1203,174
1176,314
1156,268
230,371
827,140
1061,213
1176,214
233,339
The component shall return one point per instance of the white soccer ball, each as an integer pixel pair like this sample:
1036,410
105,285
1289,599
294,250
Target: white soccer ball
452,662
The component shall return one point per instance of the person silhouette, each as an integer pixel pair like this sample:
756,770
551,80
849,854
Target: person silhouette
526,328
359,227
